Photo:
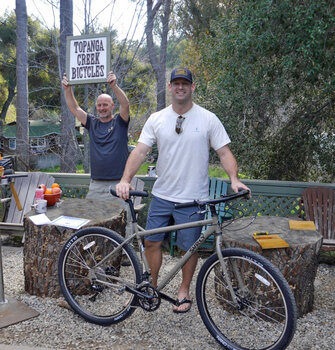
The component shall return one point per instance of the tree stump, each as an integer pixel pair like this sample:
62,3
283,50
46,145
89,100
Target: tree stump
298,263
43,243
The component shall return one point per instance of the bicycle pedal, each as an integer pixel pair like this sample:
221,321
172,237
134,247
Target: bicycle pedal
125,261
97,288
93,298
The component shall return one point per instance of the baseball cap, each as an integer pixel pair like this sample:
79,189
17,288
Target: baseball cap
181,73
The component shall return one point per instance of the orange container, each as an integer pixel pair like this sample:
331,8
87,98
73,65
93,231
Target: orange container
52,199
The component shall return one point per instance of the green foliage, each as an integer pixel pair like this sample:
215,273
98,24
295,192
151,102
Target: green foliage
196,15
7,56
42,60
43,69
56,169
218,172
175,52
266,68
143,170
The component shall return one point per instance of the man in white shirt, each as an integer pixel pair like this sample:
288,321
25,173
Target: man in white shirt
184,133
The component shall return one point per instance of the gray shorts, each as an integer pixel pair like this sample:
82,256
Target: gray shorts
99,189
159,215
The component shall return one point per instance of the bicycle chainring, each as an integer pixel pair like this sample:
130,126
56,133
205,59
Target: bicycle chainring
152,300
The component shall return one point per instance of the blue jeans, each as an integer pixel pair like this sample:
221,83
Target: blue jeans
159,215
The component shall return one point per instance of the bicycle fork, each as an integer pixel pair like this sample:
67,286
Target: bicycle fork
237,275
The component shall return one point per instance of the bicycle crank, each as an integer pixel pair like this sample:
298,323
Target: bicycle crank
149,299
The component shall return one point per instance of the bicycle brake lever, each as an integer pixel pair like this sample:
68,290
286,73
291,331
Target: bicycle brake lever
200,212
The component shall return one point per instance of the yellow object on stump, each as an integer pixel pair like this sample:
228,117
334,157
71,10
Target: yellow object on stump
302,225
267,241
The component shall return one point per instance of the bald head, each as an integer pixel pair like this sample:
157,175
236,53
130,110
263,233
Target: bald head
105,97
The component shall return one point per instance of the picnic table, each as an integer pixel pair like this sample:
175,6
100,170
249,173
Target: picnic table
43,243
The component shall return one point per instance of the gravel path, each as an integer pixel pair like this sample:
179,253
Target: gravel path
59,328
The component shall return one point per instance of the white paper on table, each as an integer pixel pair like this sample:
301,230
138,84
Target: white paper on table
40,219
70,222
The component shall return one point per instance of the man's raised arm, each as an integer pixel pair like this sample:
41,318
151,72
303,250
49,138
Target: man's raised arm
72,103
120,95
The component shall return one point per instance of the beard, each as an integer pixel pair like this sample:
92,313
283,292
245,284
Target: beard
104,116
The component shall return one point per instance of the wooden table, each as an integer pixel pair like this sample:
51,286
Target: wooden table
298,263
43,243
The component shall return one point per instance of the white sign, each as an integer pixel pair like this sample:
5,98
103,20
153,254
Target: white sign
70,222
88,58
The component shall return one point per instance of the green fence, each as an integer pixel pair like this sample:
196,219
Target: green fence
276,198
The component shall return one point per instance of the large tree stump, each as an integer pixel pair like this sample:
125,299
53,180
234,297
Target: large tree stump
43,243
298,263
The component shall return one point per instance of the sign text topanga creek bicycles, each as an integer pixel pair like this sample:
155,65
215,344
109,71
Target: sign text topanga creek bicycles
88,58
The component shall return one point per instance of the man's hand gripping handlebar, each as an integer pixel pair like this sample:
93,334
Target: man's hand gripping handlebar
129,201
134,193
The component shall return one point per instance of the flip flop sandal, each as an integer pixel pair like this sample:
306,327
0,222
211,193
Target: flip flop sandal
180,302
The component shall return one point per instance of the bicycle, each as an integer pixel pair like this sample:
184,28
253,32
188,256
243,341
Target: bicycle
243,299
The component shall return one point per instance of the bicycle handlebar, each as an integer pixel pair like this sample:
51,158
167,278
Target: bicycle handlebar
226,198
131,193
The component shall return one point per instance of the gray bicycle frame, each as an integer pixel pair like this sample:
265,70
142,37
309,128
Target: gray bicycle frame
214,228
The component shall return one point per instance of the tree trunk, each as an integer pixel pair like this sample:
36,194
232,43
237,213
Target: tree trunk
11,94
298,263
69,143
22,110
43,243
158,63
86,150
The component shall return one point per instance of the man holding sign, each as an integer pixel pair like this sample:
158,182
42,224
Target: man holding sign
108,137
87,58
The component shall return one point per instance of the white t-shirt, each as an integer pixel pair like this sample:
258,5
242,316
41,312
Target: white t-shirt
183,159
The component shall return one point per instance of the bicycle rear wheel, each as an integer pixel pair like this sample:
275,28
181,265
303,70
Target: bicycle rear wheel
92,281
264,314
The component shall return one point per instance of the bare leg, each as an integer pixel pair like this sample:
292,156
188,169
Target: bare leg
153,253
184,289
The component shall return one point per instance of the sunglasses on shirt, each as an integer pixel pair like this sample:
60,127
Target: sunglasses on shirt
179,121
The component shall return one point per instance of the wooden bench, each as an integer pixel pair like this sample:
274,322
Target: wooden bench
217,188
25,188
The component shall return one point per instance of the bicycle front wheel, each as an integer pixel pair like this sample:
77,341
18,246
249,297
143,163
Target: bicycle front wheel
263,313
93,276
